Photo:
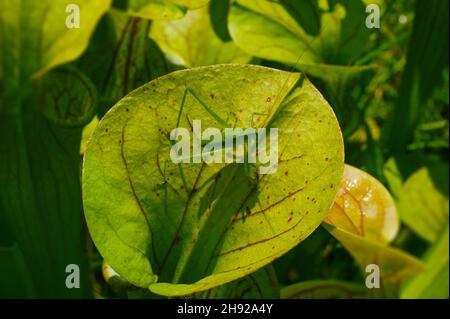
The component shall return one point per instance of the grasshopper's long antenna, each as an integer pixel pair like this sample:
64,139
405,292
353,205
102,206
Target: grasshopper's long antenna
180,112
183,101
181,172
210,111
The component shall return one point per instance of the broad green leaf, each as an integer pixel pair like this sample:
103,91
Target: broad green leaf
162,9
66,97
155,9
181,234
433,282
340,84
129,58
87,132
261,284
364,207
45,41
324,289
266,29
399,168
39,153
423,201
395,265
191,41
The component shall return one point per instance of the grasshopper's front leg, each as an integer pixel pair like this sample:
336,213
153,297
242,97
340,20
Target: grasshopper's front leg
221,121
214,115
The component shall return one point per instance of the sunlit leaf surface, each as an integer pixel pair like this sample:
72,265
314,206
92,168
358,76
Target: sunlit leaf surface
423,201
191,41
180,234
433,282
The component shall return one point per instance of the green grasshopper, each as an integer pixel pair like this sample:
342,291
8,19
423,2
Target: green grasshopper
224,125
220,120
225,145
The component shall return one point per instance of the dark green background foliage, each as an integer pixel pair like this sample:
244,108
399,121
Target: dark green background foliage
388,87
